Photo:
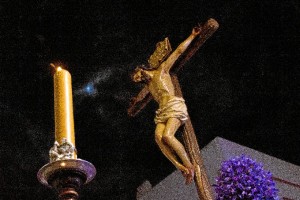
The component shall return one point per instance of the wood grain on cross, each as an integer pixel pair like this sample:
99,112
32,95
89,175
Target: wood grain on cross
190,140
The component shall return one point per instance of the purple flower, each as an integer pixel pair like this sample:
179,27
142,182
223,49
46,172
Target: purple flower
243,178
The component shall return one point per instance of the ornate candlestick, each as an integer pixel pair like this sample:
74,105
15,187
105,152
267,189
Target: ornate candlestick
65,173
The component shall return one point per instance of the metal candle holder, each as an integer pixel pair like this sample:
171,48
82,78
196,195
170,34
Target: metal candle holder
67,176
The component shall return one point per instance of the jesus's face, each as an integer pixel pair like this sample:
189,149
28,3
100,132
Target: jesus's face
138,76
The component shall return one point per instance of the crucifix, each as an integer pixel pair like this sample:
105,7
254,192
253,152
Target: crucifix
162,85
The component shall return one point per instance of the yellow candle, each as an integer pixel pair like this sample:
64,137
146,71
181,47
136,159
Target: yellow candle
63,107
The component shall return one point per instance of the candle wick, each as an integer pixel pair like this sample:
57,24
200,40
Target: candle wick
52,65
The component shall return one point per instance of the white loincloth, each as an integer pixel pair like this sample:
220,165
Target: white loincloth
175,108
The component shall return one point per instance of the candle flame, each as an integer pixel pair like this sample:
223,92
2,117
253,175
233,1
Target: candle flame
56,68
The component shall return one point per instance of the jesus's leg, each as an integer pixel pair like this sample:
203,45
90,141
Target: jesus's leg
165,148
169,138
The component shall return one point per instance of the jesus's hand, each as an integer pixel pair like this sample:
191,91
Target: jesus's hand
196,30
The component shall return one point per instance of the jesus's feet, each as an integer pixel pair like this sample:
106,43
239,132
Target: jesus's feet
188,173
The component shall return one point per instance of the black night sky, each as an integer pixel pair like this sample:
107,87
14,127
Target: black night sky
242,85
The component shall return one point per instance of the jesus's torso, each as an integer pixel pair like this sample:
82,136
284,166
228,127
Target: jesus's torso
160,86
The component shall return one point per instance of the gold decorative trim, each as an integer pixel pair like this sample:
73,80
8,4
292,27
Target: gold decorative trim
162,51
63,151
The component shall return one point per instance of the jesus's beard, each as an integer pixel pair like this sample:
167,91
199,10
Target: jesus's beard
145,77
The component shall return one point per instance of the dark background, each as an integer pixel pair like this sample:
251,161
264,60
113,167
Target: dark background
241,85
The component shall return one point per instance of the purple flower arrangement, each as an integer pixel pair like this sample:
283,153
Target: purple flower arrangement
243,178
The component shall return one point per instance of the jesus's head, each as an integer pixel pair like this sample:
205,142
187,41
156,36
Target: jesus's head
140,74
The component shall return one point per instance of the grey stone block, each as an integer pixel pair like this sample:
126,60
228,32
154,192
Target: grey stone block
286,175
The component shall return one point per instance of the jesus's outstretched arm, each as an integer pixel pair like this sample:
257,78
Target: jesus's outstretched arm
167,65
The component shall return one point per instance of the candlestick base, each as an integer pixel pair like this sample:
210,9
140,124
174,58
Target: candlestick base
67,176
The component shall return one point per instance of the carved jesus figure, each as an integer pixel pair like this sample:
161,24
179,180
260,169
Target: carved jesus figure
172,111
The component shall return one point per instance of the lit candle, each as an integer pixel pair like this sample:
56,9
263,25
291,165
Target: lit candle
63,107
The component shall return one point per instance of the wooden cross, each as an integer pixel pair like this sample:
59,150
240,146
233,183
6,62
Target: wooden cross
190,140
